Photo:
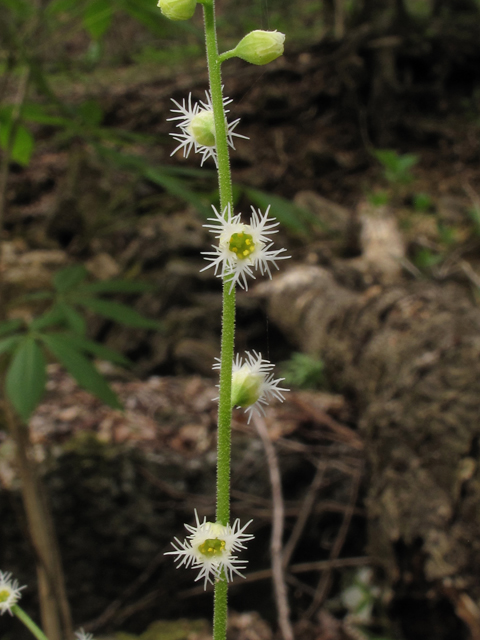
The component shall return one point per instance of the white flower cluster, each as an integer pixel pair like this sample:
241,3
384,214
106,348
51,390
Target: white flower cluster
197,128
9,592
242,247
253,383
210,547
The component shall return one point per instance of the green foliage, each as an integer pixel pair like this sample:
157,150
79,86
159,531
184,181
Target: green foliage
26,376
60,332
396,167
422,202
474,215
303,371
293,217
425,258
379,198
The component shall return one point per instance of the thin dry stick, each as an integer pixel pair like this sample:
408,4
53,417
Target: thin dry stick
55,611
305,511
326,578
279,584
304,567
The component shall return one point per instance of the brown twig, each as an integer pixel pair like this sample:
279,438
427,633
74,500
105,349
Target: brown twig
303,567
325,580
305,511
279,585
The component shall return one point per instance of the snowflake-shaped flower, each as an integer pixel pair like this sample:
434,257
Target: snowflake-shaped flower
9,592
242,247
210,547
82,635
198,128
253,383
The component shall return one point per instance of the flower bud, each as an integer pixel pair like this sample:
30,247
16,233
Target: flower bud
177,9
202,128
246,387
260,47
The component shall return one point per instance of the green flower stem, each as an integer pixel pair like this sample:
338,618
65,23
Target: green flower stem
227,55
215,78
228,313
28,622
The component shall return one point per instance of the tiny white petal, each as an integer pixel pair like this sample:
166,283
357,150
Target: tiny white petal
82,635
186,137
9,592
217,561
260,370
227,262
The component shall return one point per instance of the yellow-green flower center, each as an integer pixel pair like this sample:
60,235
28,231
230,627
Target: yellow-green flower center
202,128
4,595
242,245
212,547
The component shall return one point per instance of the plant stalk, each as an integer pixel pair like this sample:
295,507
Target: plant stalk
220,613
28,622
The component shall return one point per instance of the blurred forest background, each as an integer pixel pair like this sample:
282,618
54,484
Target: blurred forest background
364,137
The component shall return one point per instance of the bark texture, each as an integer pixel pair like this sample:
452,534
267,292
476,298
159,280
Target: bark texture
409,355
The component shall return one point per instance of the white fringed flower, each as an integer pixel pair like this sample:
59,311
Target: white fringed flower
198,128
210,548
242,247
82,635
253,383
9,592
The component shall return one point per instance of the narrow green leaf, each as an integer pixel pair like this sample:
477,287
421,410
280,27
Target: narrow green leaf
290,215
26,376
116,286
50,317
8,344
94,348
69,277
23,145
75,321
118,312
40,114
80,368
97,18
9,326
91,112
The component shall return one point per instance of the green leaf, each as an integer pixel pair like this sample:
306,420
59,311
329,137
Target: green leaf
9,326
160,176
26,377
39,114
116,286
60,6
23,146
73,319
23,142
95,349
80,368
288,214
50,317
97,18
69,277
7,344
118,312
91,112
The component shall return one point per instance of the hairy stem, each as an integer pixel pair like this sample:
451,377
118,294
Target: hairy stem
228,311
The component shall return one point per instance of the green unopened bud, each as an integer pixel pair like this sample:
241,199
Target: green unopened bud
177,9
260,47
246,387
202,128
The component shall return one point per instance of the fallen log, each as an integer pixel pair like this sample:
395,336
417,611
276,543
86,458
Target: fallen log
408,356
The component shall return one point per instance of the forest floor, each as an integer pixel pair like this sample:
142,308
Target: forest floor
308,133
